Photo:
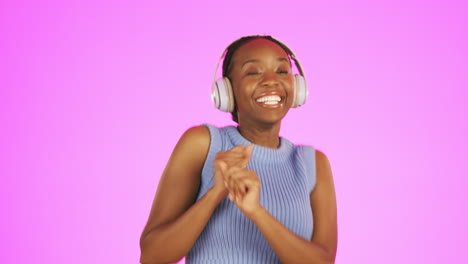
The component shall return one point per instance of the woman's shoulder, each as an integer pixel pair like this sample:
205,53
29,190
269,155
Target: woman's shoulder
196,136
321,158
197,131
318,157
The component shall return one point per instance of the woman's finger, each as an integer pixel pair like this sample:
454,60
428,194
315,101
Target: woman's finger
242,189
234,174
244,159
237,156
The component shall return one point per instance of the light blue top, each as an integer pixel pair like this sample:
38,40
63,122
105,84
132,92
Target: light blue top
287,175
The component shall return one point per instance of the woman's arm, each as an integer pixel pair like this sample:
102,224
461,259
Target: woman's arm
289,247
176,220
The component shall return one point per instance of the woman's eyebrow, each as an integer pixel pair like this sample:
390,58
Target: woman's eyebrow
249,61
282,59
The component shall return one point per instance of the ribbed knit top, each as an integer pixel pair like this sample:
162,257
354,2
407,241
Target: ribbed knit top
287,176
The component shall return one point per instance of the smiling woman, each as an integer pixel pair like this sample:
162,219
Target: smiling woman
245,194
300,93
260,69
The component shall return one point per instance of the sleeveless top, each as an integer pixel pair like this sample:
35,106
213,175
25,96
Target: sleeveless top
287,176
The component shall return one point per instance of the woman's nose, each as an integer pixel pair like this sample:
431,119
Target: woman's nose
269,79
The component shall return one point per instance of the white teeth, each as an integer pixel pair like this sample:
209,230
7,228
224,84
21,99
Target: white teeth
272,99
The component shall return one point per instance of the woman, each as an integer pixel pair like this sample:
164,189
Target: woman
244,194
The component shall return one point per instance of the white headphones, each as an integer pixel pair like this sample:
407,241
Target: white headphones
221,91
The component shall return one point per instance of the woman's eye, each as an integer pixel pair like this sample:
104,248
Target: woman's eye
283,72
252,73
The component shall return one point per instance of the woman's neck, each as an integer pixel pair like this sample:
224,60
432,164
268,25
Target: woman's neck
266,136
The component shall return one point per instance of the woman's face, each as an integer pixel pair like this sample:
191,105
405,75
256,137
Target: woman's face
262,82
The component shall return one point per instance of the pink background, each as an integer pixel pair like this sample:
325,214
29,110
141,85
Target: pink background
94,96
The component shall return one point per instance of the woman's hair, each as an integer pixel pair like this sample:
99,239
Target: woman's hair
231,49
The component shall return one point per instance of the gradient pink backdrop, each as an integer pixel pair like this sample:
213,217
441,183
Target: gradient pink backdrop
94,96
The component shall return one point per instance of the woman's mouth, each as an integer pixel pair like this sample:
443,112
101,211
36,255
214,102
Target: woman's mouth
270,101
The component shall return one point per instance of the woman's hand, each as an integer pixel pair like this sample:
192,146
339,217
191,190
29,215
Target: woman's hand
237,157
232,177
244,189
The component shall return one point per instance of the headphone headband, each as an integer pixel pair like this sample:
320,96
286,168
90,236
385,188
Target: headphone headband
288,50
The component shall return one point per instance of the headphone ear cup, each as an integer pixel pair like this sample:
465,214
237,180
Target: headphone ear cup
300,90
222,96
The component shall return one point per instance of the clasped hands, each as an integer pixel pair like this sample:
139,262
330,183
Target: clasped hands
240,184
